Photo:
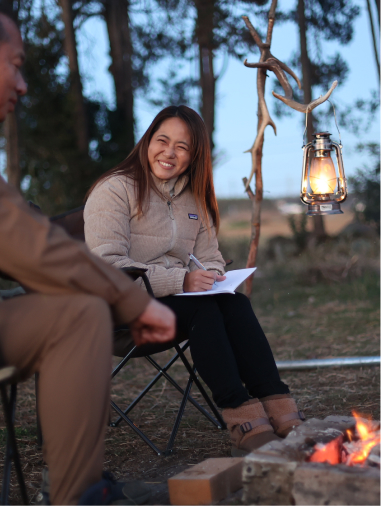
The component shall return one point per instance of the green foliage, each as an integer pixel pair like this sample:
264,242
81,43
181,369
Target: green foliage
366,187
229,37
327,20
57,177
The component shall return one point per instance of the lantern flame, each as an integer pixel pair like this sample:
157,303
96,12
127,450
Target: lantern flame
323,175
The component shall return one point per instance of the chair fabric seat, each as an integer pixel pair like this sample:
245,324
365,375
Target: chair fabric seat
123,344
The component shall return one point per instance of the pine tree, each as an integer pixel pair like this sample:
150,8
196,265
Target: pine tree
212,27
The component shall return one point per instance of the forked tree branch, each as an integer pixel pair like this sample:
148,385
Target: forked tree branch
267,62
305,107
264,119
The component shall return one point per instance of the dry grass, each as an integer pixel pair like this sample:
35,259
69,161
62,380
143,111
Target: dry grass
322,303
236,217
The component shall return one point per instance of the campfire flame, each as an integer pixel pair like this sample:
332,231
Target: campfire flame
353,452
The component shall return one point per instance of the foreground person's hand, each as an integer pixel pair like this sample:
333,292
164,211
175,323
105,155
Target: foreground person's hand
200,280
157,324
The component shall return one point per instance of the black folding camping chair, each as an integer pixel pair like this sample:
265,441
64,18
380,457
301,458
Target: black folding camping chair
73,223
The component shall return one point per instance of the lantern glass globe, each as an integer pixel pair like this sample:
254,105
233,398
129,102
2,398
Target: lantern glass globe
322,175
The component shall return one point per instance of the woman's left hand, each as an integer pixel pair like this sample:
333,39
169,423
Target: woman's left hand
200,280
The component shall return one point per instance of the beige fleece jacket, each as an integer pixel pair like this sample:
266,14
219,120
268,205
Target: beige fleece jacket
158,241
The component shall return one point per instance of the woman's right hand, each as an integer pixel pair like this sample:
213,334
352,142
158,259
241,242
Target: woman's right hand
200,280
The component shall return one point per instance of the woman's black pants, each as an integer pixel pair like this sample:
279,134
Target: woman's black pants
228,347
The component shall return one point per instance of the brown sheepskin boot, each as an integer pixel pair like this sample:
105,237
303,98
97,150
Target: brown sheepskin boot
283,413
249,427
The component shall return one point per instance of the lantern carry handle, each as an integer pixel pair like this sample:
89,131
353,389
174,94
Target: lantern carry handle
337,126
305,130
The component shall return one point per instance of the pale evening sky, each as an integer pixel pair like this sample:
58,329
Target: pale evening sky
236,106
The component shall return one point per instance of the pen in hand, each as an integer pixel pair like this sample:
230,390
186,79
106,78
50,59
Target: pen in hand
199,264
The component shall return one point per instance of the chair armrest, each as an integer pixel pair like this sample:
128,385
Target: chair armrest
136,273
8,374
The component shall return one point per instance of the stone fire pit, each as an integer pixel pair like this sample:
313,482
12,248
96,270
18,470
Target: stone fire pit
279,473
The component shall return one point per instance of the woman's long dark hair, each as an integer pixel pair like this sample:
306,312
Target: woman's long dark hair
200,173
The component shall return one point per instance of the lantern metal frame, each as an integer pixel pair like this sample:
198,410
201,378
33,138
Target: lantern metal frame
323,203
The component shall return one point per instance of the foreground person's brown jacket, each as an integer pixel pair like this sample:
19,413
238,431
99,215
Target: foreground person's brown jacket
44,259
63,331
160,240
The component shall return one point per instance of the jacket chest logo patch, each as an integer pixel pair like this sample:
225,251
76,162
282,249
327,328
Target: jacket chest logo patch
193,216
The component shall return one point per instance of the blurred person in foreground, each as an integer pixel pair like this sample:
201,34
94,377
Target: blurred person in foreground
62,328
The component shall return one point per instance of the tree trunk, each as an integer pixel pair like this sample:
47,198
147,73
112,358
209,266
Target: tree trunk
319,229
256,202
81,127
11,135
12,149
204,35
375,47
377,2
118,26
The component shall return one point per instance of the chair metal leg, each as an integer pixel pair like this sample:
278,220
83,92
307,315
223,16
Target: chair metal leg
8,449
135,428
123,362
11,447
38,422
162,371
179,417
200,387
191,399
136,400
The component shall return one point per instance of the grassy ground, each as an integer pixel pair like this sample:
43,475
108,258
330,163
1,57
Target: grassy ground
319,304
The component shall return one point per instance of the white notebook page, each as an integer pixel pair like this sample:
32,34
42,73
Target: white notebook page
232,281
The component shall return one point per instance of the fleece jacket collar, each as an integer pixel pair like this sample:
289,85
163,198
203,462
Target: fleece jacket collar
171,188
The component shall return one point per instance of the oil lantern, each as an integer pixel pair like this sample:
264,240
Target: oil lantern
324,185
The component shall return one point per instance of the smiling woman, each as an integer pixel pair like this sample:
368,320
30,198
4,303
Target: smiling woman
169,150
151,212
176,137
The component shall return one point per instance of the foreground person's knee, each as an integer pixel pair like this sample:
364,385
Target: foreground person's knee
97,308
97,315
90,317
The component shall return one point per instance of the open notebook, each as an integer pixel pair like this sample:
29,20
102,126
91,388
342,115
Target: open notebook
232,281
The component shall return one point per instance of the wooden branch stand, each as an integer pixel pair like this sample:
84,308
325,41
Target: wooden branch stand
267,62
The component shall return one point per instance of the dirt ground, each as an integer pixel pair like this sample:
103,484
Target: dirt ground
304,314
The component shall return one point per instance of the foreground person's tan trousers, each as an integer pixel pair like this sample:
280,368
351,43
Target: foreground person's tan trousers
63,331
67,339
